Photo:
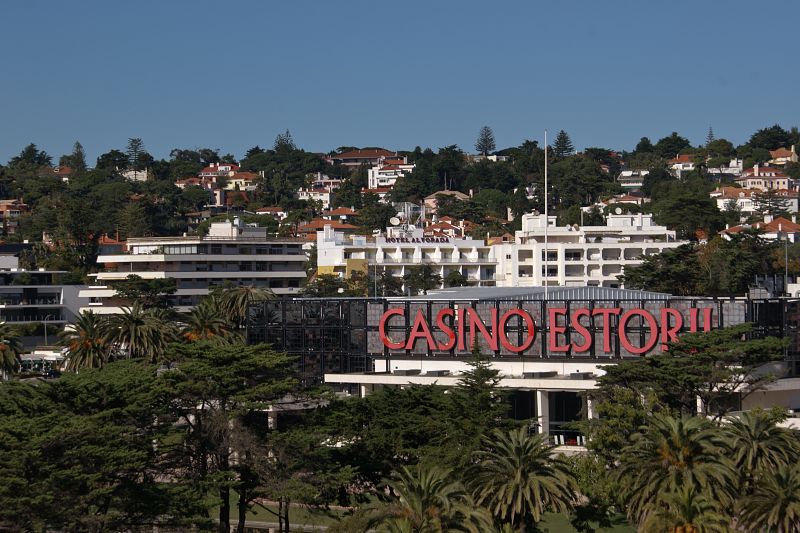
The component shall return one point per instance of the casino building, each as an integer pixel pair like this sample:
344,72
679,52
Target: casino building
549,344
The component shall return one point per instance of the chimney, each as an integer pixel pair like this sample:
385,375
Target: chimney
794,219
755,170
767,218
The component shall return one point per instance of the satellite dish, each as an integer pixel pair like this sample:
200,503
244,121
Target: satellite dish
618,210
394,221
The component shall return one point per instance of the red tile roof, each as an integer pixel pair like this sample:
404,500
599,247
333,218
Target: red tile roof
319,223
766,172
781,152
365,154
682,158
777,224
342,211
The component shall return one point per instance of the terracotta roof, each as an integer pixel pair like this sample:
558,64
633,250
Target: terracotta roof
342,211
781,152
443,226
730,193
365,154
765,172
777,224
245,176
271,209
458,194
319,223
681,158
377,190
63,171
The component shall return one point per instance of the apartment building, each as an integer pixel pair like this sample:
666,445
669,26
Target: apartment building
403,247
34,296
230,253
578,255
387,172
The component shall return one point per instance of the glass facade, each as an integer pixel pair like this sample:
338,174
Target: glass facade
342,335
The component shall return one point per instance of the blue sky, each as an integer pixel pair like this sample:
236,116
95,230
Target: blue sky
230,75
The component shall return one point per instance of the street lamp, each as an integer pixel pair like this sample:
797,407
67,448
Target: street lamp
45,328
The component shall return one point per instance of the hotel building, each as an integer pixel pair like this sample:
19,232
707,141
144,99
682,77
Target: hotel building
230,253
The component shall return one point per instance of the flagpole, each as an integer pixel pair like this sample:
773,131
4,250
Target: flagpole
546,217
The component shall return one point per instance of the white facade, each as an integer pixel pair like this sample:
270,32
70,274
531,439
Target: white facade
399,249
588,255
632,179
229,253
385,175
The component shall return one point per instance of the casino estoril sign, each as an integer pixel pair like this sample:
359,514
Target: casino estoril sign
457,329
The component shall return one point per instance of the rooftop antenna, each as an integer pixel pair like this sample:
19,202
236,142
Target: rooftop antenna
546,218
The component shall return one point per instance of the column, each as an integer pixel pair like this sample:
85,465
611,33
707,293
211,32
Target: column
543,411
589,407
272,419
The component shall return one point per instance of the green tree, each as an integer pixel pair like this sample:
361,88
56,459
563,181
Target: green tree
10,350
775,503
207,322
150,293
112,161
142,333
562,146
422,278
324,286
670,455
485,142
770,138
76,160
674,271
771,202
428,501
86,342
86,453
138,158
687,510
758,445
518,480
29,157
235,302
455,278
671,146
645,146
389,285
217,392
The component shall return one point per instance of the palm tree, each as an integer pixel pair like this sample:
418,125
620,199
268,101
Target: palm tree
141,332
757,444
10,348
671,454
86,343
517,478
235,301
775,503
687,511
206,322
429,501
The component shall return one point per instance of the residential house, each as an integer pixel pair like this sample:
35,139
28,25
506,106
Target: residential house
632,179
765,178
387,173
681,164
781,157
432,201
356,158
771,228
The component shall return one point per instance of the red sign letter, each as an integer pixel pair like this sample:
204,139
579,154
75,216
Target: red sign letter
451,335
502,331
420,329
476,322
670,333
693,319
580,329
555,329
606,313
382,329
623,335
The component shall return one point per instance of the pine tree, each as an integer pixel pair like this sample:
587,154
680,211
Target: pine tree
710,138
76,160
562,147
284,142
135,151
485,142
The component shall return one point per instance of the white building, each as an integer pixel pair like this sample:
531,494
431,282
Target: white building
681,164
632,179
387,172
588,255
401,248
318,195
734,169
765,178
746,199
230,253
